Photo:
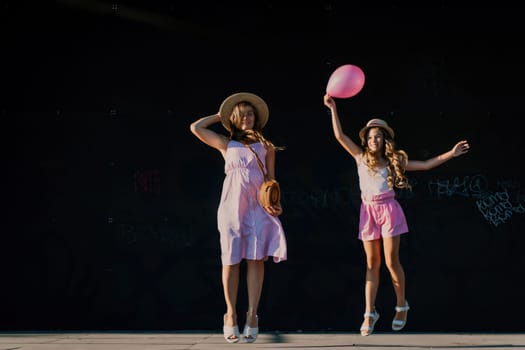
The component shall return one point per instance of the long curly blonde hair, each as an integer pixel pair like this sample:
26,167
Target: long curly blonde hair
396,160
248,136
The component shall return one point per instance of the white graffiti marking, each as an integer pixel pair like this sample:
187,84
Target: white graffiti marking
497,207
466,186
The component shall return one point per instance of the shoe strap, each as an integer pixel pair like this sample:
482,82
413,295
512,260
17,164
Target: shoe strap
402,308
371,314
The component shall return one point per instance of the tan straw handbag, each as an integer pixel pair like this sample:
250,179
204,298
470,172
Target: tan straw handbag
270,191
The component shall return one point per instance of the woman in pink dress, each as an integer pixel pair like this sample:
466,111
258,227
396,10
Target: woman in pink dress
381,167
247,230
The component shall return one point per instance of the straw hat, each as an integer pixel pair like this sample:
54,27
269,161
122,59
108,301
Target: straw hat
372,123
226,108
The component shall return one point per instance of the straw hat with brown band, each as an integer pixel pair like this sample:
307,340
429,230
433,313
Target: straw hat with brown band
226,108
373,123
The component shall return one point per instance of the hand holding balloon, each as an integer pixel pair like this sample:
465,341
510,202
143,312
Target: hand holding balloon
346,81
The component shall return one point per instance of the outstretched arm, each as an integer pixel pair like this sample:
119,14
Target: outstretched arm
340,136
459,148
200,129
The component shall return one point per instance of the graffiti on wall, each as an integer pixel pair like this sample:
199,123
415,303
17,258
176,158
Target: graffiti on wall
496,206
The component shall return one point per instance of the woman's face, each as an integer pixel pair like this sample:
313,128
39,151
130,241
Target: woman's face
375,140
247,121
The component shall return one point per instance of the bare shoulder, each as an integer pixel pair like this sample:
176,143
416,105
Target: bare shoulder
358,156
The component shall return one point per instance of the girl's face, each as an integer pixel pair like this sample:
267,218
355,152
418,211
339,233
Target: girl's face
375,140
248,118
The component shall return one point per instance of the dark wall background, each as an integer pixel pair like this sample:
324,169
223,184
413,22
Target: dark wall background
110,202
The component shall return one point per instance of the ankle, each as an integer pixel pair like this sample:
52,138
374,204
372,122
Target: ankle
230,319
251,318
403,303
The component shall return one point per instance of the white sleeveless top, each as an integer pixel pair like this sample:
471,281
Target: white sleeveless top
371,182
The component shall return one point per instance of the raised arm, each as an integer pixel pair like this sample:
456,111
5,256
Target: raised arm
200,129
459,148
340,136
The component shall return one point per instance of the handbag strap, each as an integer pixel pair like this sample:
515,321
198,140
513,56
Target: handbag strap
258,160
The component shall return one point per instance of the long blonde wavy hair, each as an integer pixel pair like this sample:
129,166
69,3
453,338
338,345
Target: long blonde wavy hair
396,160
248,136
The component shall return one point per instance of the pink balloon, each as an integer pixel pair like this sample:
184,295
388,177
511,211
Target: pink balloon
346,81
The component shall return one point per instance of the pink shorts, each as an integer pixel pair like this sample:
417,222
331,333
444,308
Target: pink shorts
381,216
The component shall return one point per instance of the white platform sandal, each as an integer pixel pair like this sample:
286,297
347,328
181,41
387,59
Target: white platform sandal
231,333
398,325
250,333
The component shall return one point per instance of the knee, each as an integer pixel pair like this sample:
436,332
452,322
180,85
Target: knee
393,264
373,264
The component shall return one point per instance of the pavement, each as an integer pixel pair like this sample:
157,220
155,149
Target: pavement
201,340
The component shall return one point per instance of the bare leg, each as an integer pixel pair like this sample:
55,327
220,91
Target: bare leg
391,250
230,282
373,264
254,280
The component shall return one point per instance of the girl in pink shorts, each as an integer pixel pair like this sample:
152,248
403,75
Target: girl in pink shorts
381,168
381,216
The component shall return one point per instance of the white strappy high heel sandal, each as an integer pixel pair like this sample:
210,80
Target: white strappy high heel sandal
367,330
398,325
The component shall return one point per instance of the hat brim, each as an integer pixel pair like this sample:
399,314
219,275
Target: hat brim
226,108
363,131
